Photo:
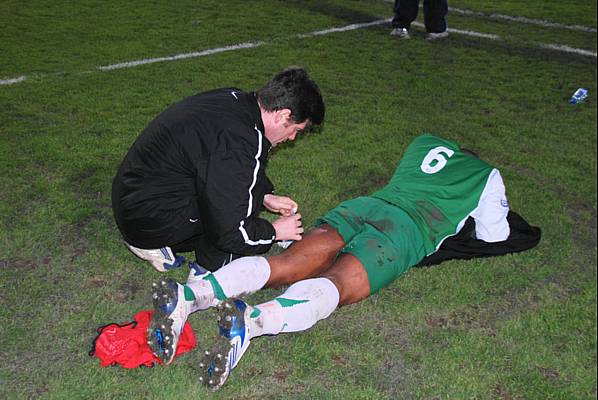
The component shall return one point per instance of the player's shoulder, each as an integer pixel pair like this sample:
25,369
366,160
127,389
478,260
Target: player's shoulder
427,140
432,149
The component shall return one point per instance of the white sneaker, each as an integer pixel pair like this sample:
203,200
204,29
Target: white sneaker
435,36
171,310
217,363
163,259
196,272
401,33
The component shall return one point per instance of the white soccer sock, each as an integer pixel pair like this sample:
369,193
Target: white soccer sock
302,305
242,276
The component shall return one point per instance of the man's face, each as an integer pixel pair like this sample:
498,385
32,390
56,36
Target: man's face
285,129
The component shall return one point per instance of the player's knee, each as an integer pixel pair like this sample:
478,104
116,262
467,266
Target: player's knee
349,293
327,233
350,278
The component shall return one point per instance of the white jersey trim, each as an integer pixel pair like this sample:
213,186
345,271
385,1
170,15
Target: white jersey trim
250,205
252,242
490,215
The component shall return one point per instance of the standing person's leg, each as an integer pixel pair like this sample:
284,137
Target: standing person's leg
405,12
435,12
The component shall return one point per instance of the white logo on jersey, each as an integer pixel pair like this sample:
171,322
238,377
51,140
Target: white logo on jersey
234,94
436,155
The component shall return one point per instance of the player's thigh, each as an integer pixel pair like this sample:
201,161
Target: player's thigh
386,255
349,217
307,257
350,278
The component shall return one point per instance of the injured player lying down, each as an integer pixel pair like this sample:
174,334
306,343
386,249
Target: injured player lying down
356,249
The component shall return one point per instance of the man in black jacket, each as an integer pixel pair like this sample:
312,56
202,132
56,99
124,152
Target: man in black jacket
195,180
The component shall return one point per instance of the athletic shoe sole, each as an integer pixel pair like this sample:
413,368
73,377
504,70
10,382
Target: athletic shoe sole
214,367
161,337
217,362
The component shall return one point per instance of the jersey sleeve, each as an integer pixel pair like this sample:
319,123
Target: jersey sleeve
230,204
490,216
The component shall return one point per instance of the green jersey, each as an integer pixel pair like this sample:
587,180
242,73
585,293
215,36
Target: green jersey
439,186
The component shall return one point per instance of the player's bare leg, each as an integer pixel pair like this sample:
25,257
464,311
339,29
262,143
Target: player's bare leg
350,278
307,258
302,305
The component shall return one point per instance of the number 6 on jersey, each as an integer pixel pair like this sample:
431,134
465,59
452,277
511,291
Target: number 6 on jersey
436,155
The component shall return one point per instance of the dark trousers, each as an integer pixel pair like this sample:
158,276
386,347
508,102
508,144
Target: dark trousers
434,14
206,254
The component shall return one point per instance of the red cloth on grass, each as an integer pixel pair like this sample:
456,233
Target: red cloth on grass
126,344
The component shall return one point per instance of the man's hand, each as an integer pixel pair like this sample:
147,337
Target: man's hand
282,205
288,228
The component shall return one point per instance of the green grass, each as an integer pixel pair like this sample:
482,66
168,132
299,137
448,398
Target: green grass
514,327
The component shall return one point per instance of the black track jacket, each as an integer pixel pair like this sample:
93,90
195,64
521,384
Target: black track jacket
198,169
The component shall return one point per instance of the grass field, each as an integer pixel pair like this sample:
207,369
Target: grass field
514,327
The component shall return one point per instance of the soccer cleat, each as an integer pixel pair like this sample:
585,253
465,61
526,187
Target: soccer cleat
401,33
218,362
171,310
163,259
435,36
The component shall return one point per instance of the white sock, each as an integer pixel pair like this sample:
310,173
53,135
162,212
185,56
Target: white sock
302,305
244,275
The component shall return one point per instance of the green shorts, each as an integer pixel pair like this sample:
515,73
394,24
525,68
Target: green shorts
382,236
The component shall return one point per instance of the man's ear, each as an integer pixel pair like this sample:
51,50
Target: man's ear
284,115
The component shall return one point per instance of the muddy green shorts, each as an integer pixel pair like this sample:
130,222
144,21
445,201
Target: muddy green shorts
382,236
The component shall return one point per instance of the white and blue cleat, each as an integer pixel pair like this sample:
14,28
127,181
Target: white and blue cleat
218,362
170,314
162,259
196,272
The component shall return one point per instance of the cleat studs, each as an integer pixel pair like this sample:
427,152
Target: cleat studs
227,305
163,283
201,379
219,356
218,318
154,284
201,365
228,318
163,326
207,353
216,369
211,382
167,351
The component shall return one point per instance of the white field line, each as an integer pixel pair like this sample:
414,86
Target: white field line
12,80
567,49
466,33
249,45
129,64
344,28
523,20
